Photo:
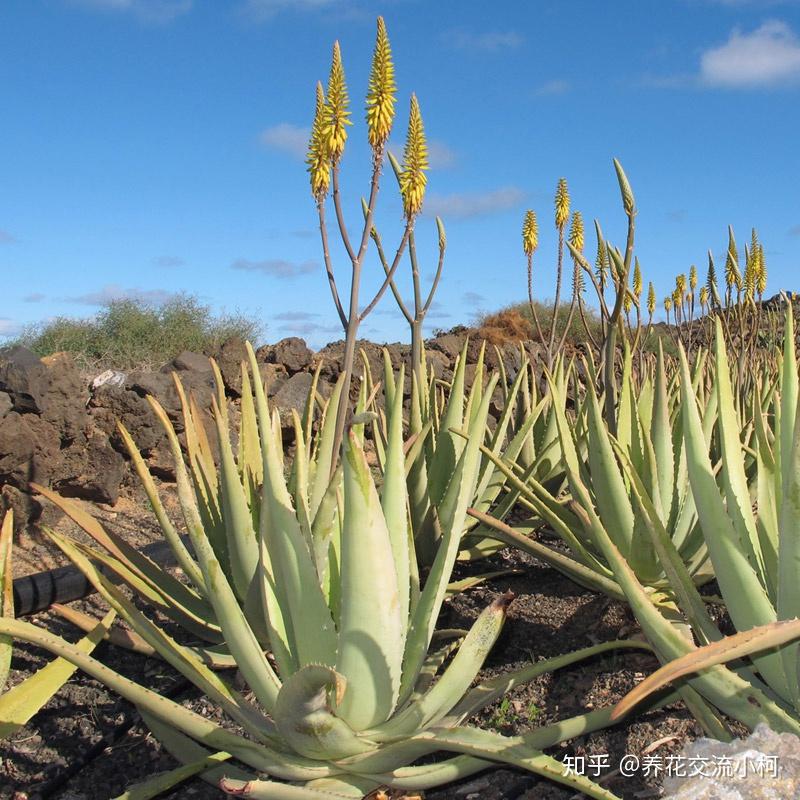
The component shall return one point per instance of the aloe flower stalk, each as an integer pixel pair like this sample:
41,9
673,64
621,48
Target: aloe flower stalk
415,163
337,115
319,159
381,95
530,241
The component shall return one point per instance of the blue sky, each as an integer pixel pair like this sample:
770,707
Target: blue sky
154,146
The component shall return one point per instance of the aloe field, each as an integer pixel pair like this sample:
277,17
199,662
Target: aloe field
583,542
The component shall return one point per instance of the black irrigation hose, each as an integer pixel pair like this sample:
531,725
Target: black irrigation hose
39,591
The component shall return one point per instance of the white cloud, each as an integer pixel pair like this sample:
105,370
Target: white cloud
9,328
295,316
309,328
263,10
487,41
463,205
473,298
768,56
34,297
276,267
169,261
288,138
554,87
157,11
112,293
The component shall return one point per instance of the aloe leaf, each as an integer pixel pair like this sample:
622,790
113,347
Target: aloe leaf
324,457
720,652
394,502
370,627
327,789
452,514
258,756
516,752
306,616
19,703
127,639
164,781
181,658
188,751
242,546
306,719
456,679
182,555
744,593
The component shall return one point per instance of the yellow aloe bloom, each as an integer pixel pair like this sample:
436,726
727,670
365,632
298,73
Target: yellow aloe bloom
530,233
337,116
637,279
318,159
667,304
651,299
693,277
703,296
562,203
761,275
627,302
680,284
415,162
381,94
750,271
576,232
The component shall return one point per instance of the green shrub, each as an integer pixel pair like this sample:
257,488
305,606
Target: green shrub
131,334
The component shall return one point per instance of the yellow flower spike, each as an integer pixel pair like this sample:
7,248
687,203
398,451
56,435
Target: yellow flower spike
381,93
667,304
530,233
761,276
576,233
680,284
703,296
637,279
318,159
415,162
627,302
750,271
562,203
693,277
337,116
651,299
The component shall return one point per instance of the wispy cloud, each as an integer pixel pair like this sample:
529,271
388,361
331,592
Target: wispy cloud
295,316
112,293
677,215
286,137
6,237
768,56
264,10
153,11
463,205
473,298
309,328
794,230
486,41
169,261
276,267
553,87
34,297
9,328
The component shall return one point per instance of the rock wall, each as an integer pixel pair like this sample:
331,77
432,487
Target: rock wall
58,428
